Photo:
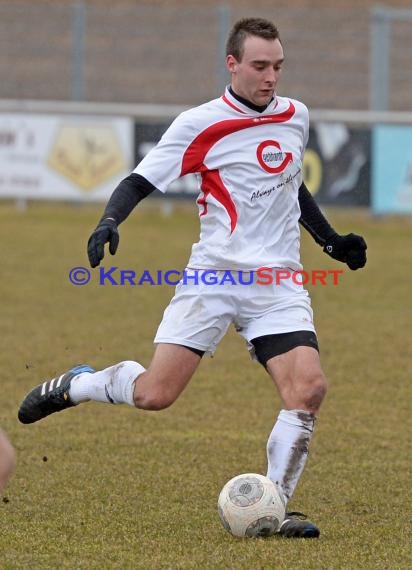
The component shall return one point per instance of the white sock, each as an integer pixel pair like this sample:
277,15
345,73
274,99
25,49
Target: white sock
288,448
114,384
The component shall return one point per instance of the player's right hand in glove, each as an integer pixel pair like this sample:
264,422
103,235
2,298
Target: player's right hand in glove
350,249
106,232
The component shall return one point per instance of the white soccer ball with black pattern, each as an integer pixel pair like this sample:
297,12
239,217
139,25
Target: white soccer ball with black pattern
251,505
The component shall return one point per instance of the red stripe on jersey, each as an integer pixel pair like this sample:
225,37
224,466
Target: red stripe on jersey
213,184
226,100
193,159
194,156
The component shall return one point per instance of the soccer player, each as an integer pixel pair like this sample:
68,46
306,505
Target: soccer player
7,460
247,148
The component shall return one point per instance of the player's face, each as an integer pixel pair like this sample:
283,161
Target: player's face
255,77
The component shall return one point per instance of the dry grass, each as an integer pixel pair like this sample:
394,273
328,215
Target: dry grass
98,487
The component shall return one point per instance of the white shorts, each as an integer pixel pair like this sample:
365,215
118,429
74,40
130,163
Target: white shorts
200,314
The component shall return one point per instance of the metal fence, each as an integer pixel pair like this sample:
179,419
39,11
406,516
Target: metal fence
121,52
344,56
391,67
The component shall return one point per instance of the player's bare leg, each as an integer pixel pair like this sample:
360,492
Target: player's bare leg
130,383
7,460
169,372
302,387
127,382
299,378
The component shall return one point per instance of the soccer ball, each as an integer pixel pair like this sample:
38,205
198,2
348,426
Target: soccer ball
251,505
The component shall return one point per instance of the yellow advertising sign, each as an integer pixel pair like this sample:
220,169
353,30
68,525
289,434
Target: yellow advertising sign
87,154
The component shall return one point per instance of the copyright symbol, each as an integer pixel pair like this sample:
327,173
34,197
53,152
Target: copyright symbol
79,275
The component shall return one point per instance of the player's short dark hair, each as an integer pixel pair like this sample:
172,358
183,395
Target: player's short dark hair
249,27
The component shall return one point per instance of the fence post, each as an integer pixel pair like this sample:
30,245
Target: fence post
223,17
79,51
379,59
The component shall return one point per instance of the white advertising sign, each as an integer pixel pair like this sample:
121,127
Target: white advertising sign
79,158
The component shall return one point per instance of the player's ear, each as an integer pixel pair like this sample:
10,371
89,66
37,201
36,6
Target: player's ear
231,63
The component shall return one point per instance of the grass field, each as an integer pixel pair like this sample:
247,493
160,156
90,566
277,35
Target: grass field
104,487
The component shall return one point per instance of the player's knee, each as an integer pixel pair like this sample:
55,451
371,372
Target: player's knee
153,400
315,392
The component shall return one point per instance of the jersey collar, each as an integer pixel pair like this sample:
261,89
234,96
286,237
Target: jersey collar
244,106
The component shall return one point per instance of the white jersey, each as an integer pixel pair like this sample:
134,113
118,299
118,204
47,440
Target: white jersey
249,167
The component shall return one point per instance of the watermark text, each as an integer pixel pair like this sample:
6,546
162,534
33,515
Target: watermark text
263,276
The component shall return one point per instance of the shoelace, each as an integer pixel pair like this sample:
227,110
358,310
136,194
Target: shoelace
296,514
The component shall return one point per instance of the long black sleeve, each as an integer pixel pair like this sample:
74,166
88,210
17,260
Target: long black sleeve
312,218
130,191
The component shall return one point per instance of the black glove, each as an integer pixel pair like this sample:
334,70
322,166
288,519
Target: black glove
105,232
351,249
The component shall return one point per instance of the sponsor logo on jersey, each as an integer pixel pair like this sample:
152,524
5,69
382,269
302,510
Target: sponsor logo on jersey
271,157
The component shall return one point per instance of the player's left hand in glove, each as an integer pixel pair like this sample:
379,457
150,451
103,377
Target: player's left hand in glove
106,232
350,249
